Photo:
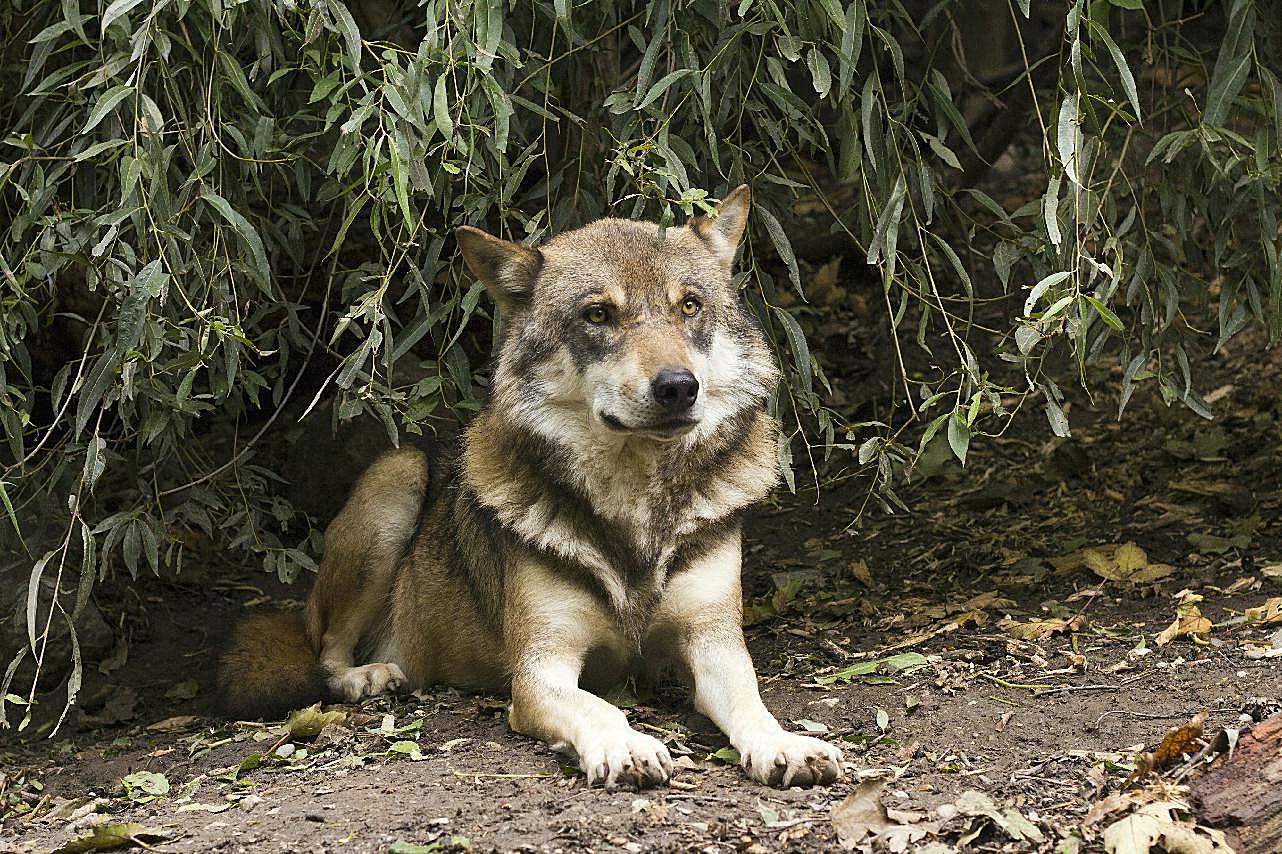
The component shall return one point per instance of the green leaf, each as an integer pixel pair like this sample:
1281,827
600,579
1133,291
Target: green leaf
106,103
8,509
95,463
115,10
797,343
881,245
262,271
782,245
942,151
728,755
1224,88
1105,314
400,846
351,33
661,86
820,71
144,786
307,723
406,749
33,600
441,109
1042,287
1068,138
958,437
1050,211
1123,70
893,664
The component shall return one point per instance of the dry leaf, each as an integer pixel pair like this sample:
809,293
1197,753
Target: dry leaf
1155,824
861,814
1269,612
1201,487
1127,562
106,837
1177,742
859,569
1011,820
1186,625
1189,621
174,724
1040,630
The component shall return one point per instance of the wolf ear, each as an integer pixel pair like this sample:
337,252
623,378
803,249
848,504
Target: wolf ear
507,269
723,231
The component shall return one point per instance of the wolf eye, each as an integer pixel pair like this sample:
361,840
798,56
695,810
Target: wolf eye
690,306
597,314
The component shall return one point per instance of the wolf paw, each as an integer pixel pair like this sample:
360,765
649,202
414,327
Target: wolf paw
357,683
629,760
783,759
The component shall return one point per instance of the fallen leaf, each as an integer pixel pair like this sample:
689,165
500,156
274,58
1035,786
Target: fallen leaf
860,814
904,661
1269,612
210,808
1272,648
1201,487
1154,824
174,724
1211,544
1126,562
1010,820
144,786
185,690
811,726
1177,742
1040,630
406,750
859,569
1185,625
308,722
106,837
1189,621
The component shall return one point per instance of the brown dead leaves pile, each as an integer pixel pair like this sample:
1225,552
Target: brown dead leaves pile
1125,562
863,823
1189,622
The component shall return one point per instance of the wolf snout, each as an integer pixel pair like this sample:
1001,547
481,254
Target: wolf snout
675,390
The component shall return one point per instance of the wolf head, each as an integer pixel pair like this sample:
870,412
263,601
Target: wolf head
616,332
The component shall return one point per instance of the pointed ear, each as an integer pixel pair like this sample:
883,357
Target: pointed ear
507,269
723,231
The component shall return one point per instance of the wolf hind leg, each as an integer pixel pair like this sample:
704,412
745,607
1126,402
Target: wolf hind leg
350,604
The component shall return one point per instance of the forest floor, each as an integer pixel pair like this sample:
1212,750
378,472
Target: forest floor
994,664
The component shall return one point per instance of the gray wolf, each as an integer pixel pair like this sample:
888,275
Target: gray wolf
588,526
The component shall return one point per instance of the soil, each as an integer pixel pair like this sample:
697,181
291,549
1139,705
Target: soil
1047,725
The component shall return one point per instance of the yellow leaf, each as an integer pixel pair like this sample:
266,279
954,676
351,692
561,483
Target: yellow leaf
1269,612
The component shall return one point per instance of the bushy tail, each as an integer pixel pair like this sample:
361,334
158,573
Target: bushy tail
269,668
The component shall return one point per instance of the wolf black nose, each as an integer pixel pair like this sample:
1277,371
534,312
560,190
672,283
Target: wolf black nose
675,390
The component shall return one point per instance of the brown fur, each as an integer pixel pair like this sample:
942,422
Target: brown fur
581,528
269,668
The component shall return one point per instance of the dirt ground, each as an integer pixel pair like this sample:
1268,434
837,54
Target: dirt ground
995,640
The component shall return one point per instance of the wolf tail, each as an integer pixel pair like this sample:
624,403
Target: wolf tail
269,668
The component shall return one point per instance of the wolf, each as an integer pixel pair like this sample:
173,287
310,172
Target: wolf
588,525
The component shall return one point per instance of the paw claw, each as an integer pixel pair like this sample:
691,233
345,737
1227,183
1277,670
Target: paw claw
634,761
796,760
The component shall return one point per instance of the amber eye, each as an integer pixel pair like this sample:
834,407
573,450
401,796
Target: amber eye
597,314
690,306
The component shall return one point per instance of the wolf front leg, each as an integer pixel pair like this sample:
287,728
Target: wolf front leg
552,625
702,608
